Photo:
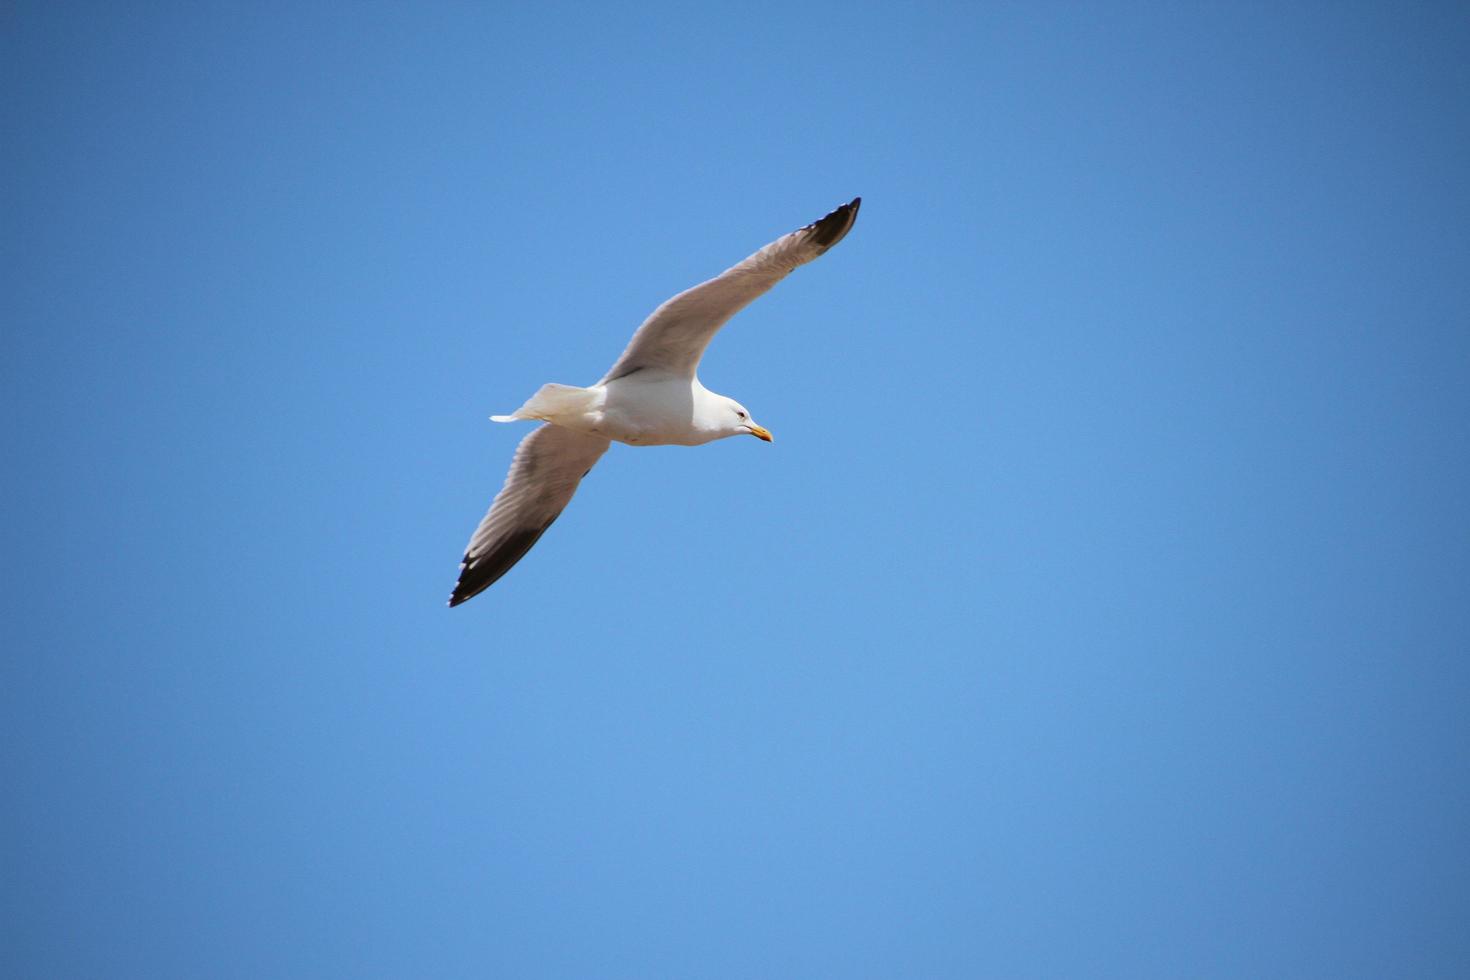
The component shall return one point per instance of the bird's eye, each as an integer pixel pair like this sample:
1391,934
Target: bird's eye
739,413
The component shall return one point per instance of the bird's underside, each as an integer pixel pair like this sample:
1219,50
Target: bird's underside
551,461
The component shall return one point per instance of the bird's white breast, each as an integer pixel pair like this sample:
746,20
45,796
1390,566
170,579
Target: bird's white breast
658,411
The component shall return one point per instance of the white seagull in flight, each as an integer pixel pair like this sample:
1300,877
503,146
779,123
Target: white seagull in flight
651,397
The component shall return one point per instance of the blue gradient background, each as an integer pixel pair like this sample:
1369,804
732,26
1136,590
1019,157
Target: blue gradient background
1102,608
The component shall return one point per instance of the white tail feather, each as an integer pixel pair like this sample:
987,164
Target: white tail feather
552,402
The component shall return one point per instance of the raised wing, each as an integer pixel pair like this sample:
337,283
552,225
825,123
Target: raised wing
548,465
673,339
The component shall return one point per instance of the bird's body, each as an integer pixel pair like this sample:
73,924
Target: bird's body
651,397
664,410
652,408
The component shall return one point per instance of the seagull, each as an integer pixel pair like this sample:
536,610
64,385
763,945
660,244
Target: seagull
650,397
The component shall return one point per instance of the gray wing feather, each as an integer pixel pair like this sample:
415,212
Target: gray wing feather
674,337
548,466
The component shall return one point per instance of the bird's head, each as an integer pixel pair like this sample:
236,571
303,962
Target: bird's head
737,422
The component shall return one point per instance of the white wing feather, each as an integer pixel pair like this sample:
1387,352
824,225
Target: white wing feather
674,337
548,465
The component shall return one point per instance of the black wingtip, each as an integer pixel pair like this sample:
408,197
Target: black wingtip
462,591
829,230
478,574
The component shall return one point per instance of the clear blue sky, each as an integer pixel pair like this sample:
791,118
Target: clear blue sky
1102,608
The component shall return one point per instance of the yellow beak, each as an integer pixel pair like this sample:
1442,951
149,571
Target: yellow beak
760,432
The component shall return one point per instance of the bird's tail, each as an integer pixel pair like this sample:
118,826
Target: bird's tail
553,402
